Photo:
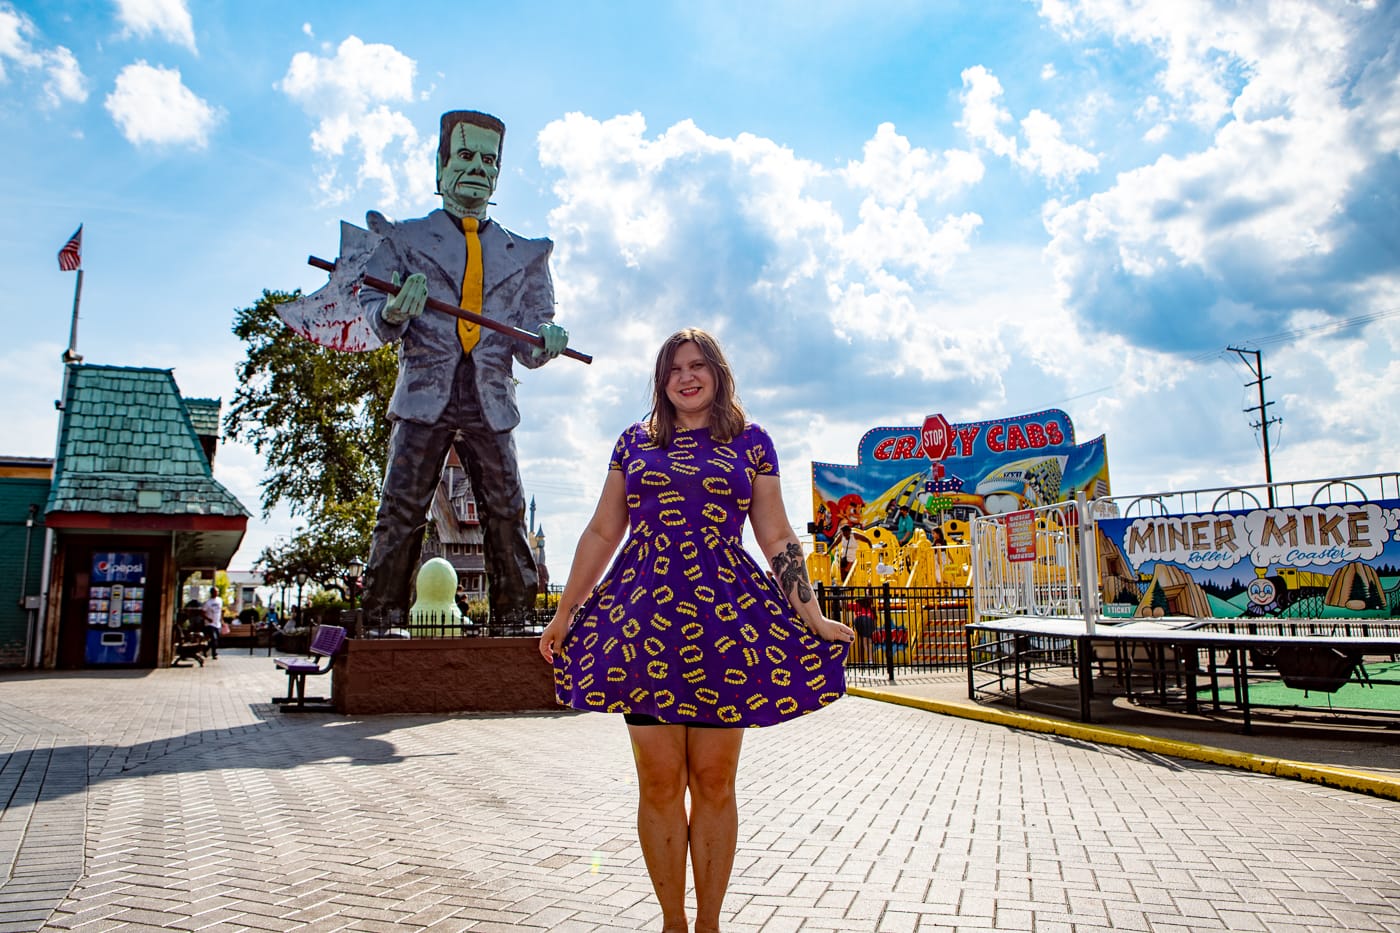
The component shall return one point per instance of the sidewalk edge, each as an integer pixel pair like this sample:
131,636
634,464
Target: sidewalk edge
1342,778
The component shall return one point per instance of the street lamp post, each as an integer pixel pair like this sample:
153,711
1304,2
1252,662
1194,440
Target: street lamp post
352,579
302,577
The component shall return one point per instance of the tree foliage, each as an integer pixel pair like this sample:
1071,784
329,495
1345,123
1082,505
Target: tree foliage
318,418
336,536
315,415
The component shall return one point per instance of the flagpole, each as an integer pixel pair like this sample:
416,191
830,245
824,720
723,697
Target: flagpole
71,355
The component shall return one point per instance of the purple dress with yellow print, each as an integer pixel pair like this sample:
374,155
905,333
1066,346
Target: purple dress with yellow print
686,626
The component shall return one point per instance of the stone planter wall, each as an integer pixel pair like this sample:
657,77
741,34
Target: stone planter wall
441,675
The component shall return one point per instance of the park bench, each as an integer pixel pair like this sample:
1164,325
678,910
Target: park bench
327,641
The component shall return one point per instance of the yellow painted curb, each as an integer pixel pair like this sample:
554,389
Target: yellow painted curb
1343,778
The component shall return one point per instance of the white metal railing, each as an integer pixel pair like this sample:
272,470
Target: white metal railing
1052,583
1297,493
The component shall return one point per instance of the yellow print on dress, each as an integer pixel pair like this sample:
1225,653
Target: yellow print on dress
714,513
707,695
660,622
724,643
657,670
685,469
670,497
716,485
655,478
671,517
689,549
728,714
757,701
692,630
662,595
735,677
654,646
691,653
705,594
725,612
775,654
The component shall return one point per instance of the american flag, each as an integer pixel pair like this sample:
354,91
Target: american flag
71,256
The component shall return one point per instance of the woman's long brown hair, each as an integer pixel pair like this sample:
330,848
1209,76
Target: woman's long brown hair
727,418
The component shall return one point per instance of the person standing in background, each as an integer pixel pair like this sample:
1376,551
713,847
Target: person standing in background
213,611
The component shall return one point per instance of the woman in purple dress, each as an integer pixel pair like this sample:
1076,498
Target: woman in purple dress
687,636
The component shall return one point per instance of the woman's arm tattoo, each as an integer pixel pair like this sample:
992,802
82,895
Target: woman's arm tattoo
791,572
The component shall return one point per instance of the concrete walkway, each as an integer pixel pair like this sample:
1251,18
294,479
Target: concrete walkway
180,799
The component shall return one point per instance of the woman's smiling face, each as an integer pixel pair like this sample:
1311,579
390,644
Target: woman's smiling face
691,386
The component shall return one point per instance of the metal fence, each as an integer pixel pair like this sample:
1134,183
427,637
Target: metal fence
901,632
393,624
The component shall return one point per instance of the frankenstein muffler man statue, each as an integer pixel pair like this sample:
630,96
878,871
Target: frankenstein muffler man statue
455,386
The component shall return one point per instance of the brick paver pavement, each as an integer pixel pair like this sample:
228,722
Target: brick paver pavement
202,808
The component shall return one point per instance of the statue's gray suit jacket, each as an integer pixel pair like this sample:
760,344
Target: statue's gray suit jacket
517,291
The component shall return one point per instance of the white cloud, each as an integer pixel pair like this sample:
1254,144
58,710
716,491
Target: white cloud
63,78
1045,151
168,19
151,105
358,133
983,114
1285,209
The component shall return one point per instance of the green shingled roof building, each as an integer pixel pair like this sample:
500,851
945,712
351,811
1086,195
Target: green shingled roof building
133,476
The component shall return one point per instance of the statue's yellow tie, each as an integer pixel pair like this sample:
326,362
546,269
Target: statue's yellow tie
468,332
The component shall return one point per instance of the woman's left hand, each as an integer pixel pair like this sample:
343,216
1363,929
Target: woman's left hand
831,630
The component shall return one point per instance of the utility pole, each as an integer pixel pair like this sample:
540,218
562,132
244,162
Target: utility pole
1263,408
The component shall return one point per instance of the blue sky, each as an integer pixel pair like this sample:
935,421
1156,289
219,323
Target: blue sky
982,209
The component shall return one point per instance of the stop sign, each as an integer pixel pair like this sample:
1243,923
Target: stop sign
937,437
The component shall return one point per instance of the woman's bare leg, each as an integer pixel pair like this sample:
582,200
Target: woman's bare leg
660,754
711,761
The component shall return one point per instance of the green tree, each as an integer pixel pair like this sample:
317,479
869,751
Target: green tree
315,415
318,418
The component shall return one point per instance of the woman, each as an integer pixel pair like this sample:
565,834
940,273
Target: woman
687,636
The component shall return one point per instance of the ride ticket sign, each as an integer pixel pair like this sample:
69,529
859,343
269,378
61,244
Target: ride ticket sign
1020,536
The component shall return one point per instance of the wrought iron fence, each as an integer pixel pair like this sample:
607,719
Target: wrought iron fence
900,631
393,624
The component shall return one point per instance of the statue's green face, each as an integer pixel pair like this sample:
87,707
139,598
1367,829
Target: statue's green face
469,177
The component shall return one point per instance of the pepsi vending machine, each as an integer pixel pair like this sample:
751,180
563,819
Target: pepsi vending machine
116,597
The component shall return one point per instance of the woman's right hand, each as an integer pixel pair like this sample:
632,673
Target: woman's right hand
552,638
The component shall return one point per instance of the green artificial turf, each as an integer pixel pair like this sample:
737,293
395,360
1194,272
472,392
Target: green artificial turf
1353,695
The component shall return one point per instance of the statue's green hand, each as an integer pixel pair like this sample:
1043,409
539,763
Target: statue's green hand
556,339
410,301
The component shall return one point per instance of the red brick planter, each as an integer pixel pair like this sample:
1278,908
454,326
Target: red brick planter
441,675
